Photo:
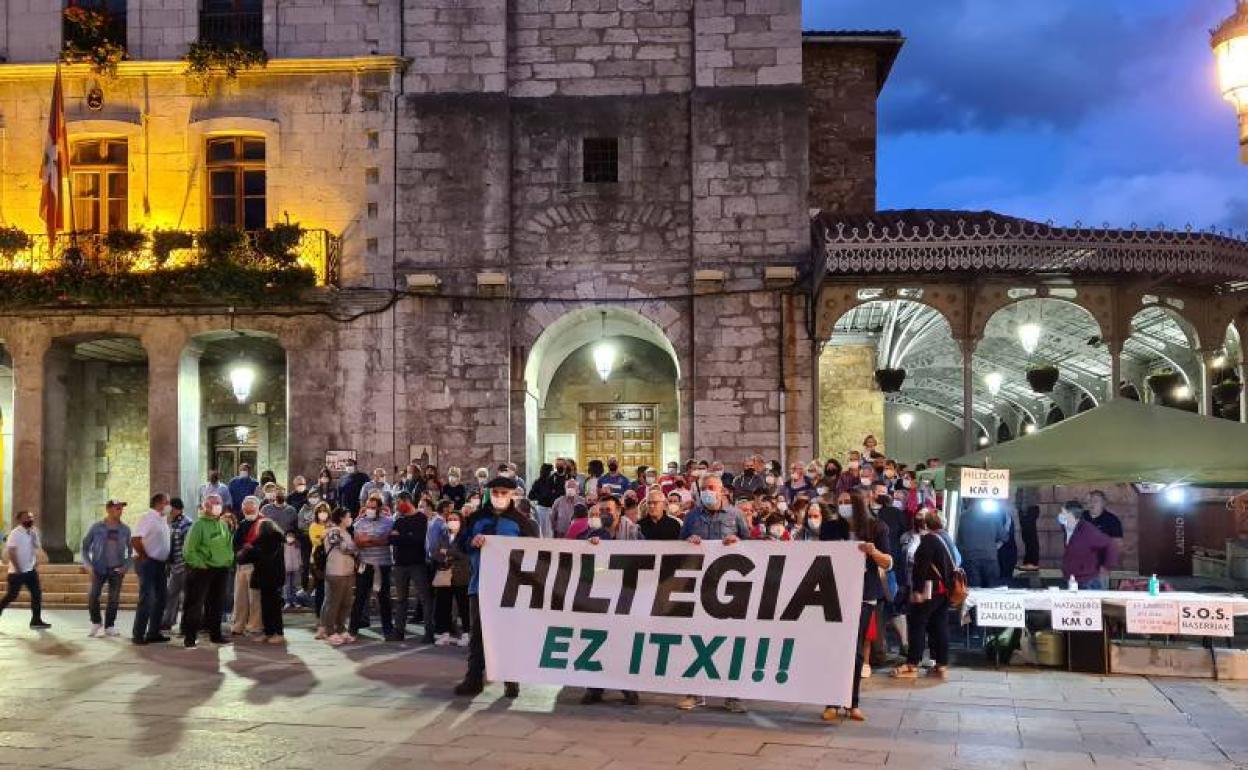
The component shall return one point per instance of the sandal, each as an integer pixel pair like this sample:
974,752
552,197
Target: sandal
856,715
905,671
940,672
831,714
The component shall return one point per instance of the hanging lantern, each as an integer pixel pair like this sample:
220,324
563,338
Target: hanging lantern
604,353
905,420
993,380
1029,337
242,377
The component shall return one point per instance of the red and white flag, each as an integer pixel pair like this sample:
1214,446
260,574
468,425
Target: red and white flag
55,165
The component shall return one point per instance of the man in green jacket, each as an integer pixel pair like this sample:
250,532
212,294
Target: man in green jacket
208,553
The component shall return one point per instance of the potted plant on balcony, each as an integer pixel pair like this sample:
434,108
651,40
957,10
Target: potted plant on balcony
890,380
13,240
124,244
220,244
87,40
165,242
279,242
1043,378
204,58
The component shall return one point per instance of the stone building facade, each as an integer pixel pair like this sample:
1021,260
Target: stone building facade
504,181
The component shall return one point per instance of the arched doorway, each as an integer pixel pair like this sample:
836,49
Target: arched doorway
572,410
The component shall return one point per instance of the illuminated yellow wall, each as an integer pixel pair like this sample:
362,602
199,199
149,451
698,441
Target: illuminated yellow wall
329,148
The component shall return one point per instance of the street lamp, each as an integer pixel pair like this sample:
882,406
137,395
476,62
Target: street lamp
993,380
905,420
1029,337
1230,50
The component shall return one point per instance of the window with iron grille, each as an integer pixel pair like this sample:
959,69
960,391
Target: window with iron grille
600,160
232,22
88,22
236,182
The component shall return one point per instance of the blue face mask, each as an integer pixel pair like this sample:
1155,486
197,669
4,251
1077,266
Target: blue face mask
708,498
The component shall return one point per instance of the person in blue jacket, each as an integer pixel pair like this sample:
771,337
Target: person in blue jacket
498,517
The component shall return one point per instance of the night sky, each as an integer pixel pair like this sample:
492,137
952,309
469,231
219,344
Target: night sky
1090,110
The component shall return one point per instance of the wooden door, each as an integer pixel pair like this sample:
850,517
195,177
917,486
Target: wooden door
626,431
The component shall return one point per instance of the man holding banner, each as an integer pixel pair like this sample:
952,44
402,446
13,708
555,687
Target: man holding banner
497,518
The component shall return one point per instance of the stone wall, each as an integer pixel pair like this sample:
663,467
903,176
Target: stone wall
455,47
748,43
841,86
608,47
219,407
1122,501
850,404
161,29
331,27
33,31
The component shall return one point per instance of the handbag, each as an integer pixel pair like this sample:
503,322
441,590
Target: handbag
956,586
442,578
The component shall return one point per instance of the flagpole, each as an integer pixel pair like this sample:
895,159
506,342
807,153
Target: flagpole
69,176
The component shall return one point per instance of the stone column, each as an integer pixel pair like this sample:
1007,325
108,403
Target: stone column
1115,368
28,347
1206,382
166,350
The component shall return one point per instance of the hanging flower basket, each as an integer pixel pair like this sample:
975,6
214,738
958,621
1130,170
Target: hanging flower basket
1227,392
890,380
1043,379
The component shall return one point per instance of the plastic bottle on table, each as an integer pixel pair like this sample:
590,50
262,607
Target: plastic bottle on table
1154,587
1072,584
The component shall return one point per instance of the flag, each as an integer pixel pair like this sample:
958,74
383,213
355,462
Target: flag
55,165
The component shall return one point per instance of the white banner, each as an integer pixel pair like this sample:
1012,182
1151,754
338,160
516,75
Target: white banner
755,620
1152,617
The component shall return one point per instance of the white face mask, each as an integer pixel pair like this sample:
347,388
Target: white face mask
771,480
453,479
570,491
782,506
452,527
217,509
322,516
372,513
821,491
168,509
777,530
845,509
595,522
251,516
813,522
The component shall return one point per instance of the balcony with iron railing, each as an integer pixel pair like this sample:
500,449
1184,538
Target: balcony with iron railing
275,263
230,28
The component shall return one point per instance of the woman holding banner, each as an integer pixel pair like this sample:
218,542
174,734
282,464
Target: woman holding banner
872,538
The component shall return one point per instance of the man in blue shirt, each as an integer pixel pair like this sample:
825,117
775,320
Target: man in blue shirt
241,486
617,482
499,517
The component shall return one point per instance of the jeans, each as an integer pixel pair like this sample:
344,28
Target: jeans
206,590
404,577
364,590
318,597
113,579
982,573
153,593
928,623
290,592
443,598
175,588
476,650
545,521
31,581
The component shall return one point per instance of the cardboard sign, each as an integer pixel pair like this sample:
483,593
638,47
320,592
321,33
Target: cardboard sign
1152,617
1213,619
336,459
980,484
1074,613
1000,613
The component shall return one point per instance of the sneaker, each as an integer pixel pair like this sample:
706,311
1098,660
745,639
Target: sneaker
320,633
97,631
39,625
112,632
591,697
275,639
734,706
464,640
691,702
469,687
511,690
190,643
866,670
442,640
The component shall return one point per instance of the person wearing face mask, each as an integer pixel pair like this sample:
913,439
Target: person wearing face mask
809,524
409,544
476,486
326,486
647,477
349,485
796,484
775,528
454,489
372,535
292,560
713,520
316,572
603,525
544,494
614,481
241,486
298,494
452,573
21,550
175,585
836,518
667,481
209,554
497,517
339,551
1090,553
247,611
751,479
151,543
303,524
377,486
215,487
928,578
657,521
562,508
278,510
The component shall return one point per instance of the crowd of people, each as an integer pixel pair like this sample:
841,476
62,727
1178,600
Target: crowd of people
409,546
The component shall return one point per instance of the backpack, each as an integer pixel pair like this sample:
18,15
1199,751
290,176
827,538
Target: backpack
955,586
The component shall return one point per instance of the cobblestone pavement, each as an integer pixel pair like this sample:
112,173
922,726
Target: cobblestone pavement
67,701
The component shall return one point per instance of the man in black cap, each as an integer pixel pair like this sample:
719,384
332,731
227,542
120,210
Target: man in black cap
498,517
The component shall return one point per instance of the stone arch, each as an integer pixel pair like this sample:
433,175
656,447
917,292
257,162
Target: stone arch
553,333
1096,300
837,299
